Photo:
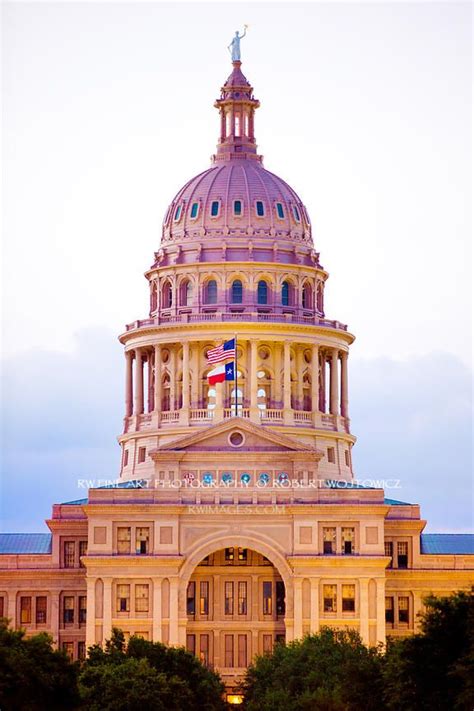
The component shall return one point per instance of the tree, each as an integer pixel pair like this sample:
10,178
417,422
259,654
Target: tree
434,669
147,675
33,675
329,671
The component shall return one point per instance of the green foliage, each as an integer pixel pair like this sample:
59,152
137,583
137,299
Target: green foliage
434,670
147,675
34,676
329,671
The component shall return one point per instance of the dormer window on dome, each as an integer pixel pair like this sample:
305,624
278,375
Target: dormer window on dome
215,208
177,213
237,208
296,214
280,211
260,208
194,210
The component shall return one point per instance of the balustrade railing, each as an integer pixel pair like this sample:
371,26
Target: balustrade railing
245,316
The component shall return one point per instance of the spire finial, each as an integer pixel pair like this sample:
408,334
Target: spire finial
234,46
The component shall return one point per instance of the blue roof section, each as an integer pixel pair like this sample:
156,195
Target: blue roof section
447,543
395,502
24,543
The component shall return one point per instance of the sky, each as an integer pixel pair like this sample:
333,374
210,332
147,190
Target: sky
365,111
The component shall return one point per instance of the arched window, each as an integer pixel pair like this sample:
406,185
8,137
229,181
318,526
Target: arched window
153,302
210,292
166,296
262,292
165,399
237,292
186,292
307,296
285,293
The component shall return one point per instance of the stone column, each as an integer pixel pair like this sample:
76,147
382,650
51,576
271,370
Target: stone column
107,630
138,382
173,370
254,413
90,614
380,582
156,631
334,395
287,411
174,611
277,368
158,393
219,408
314,621
298,609
184,414
364,609
322,395
299,378
195,376
151,391
128,383
315,383
344,385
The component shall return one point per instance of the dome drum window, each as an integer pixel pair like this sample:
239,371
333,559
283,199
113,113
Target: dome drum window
177,213
262,292
215,208
194,210
237,292
280,211
210,292
259,208
237,208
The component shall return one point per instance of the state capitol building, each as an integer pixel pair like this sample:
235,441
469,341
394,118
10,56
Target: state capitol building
237,523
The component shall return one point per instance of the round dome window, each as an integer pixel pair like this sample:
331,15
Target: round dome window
236,439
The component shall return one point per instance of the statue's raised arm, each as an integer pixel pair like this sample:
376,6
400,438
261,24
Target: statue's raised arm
234,46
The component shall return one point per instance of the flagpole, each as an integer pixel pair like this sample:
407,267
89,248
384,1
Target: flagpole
235,378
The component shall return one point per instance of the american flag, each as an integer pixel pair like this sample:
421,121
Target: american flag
225,351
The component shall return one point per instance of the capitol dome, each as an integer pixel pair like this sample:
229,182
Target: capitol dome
236,196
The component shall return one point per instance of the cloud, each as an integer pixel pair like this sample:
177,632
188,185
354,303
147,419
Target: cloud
62,413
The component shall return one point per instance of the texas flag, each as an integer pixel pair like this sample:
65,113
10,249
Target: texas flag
221,373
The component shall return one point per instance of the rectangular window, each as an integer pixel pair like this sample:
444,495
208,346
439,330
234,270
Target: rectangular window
229,650
142,597
125,458
267,598
259,208
82,608
177,213
191,598
280,211
242,555
389,616
228,598
242,645
204,598
81,651
68,647
330,598
267,644
204,649
142,540
123,598
141,454
194,210
280,639
403,609
214,208
237,208
69,554
82,552
329,541
242,603
346,458
280,597
229,555
348,598
331,455
388,546
191,643
124,537
402,554
41,606
25,610
347,540
68,609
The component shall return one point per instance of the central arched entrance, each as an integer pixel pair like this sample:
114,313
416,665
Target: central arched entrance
235,603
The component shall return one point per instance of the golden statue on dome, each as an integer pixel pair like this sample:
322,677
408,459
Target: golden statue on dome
234,46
